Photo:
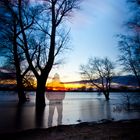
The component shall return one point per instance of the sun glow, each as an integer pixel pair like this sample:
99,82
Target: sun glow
57,85
8,82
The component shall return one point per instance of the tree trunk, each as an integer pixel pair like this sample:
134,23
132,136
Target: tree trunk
106,94
19,78
40,92
20,90
138,79
21,96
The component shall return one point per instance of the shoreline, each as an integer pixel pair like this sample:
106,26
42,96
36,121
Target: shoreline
107,129
112,90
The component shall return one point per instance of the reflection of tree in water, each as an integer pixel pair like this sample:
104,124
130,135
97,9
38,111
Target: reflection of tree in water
55,99
39,117
18,118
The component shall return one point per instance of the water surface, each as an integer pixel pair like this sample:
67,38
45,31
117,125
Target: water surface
65,108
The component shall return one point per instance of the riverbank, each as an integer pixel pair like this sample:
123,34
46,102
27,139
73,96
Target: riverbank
108,130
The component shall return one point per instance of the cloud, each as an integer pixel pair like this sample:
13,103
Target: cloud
91,10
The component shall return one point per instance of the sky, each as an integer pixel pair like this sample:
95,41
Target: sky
92,34
93,29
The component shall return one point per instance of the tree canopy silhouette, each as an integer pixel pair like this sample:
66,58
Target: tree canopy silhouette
10,40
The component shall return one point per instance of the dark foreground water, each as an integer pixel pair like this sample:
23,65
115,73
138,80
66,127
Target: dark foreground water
66,108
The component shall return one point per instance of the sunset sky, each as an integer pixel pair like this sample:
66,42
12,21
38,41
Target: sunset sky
93,30
92,33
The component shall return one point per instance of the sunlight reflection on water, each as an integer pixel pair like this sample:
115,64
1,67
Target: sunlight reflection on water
64,108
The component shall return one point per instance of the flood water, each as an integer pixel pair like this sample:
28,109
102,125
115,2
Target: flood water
66,108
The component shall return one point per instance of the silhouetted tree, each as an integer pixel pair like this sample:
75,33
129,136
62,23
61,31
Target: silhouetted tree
133,22
37,33
129,57
9,45
48,42
99,72
129,44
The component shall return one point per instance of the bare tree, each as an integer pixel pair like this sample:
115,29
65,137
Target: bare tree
99,73
129,44
133,22
129,57
9,45
48,42
38,33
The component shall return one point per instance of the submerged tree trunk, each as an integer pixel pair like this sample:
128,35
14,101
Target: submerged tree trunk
20,90
40,92
136,75
138,79
19,78
106,94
